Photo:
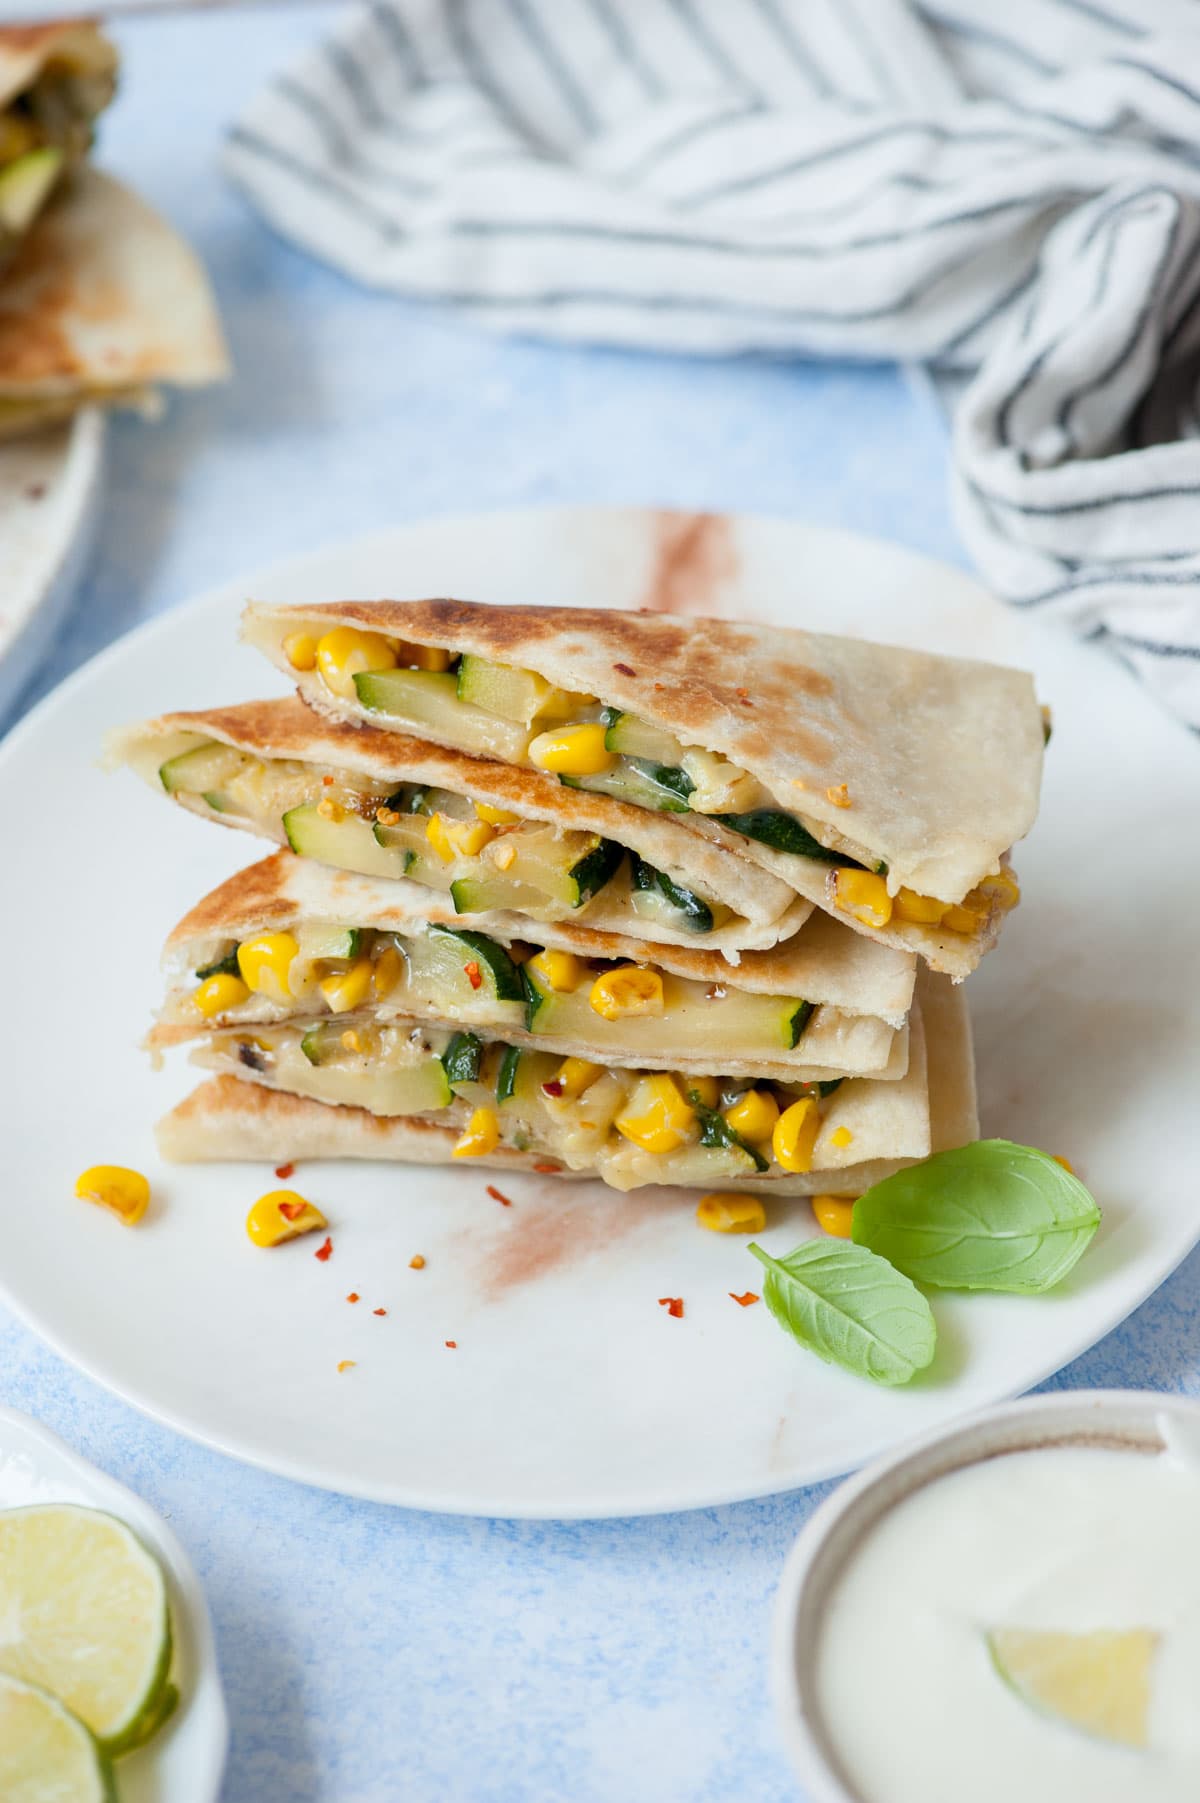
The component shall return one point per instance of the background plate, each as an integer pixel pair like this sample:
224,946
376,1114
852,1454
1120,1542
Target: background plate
571,1392
184,1762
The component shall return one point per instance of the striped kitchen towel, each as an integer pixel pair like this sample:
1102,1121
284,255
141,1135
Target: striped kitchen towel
1009,195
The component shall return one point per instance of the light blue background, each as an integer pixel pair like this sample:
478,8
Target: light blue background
370,1654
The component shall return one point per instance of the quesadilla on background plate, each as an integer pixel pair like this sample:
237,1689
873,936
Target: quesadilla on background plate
290,942
491,840
102,302
885,785
54,82
518,1109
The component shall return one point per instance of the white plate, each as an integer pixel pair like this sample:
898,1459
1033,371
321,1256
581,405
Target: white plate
184,1761
571,1392
49,490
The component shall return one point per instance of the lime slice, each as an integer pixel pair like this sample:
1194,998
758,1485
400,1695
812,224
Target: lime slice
46,1753
1099,1682
83,1614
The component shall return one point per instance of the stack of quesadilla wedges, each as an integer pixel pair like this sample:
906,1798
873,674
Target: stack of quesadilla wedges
653,900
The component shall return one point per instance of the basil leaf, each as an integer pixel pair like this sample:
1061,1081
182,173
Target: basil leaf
850,1308
989,1216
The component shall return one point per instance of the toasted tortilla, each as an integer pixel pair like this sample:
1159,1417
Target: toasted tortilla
233,1120
766,908
102,302
26,49
283,893
936,761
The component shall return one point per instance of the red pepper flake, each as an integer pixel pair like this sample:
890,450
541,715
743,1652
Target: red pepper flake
353,1296
673,1306
379,1311
744,1301
498,1196
549,1170
453,1345
660,687
328,781
324,1251
416,1262
291,1211
624,669
554,1087
284,1171
474,975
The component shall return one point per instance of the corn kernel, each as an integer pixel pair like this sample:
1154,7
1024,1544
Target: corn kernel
754,1115
300,649
481,1137
495,816
795,1135
427,657
835,1214
503,855
841,1137
452,838
264,963
921,910
332,810
218,994
656,1117
863,894
282,1215
572,751
968,916
630,990
388,972
439,838
575,1075
727,1212
562,971
1002,888
706,1090
347,989
123,1192
839,796
346,652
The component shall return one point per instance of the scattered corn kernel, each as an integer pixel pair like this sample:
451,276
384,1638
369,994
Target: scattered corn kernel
563,971
863,894
346,652
457,838
1002,888
300,649
841,1137
427,657
346,1365
347,989
282,1215
754,1115
219,993
503,855
656,1117
839,796
706,1090
576,1075
495,816
572,751
356,1042
795,1135
1066,1164
388,971
969,915
416,1262
921,910
835,1214
264,963
730,1213
439,838
630,990
481,1137
123,1192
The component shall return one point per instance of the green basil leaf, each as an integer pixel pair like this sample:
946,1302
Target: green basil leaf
850,1308
989,1216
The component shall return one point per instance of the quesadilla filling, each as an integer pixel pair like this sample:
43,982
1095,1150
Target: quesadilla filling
497,711
47,128
626,1010
628,1126
483,857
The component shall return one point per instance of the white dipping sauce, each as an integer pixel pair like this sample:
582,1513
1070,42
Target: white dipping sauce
1071,1539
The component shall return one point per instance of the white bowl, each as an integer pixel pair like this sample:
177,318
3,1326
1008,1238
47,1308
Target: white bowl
1121,1419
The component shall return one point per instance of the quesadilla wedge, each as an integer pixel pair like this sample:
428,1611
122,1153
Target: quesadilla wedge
102,302
885,785
55,80
488,839
291,941
629,1128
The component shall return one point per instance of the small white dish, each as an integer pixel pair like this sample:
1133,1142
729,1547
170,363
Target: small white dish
1121,1419
185,1760
50,487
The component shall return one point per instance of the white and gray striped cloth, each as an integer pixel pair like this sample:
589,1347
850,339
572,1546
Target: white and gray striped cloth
1009,195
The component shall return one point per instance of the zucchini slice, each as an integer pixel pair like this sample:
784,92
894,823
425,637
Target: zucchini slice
425,700
461,1059
634,738
221,967
498,975
348,844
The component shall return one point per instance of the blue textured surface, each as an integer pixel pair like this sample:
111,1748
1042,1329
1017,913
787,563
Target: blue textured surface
371,1654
